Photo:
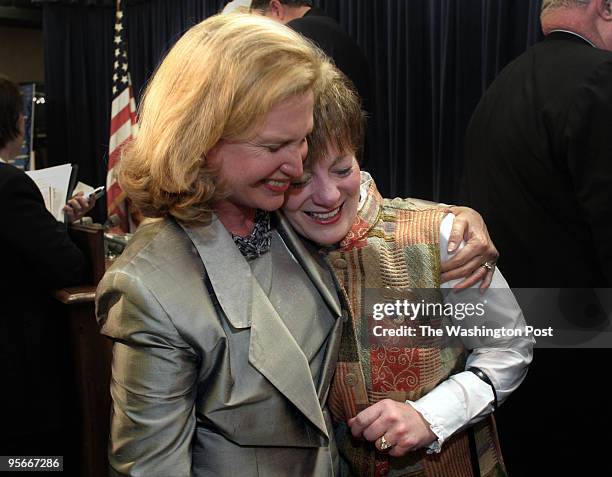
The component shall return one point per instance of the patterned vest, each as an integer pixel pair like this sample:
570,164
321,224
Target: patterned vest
394,245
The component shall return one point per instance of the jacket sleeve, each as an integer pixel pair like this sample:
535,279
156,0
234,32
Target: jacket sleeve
153,384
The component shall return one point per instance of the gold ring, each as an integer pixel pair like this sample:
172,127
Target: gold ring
490,266
384,445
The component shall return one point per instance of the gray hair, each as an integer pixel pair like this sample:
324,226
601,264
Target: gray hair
548,5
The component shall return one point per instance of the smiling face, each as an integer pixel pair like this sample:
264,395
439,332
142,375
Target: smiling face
322,205
258,172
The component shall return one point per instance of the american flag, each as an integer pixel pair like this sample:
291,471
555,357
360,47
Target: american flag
123,125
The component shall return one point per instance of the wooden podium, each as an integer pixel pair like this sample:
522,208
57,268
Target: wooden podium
91,355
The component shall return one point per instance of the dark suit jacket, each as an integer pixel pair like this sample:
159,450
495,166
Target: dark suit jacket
539,169
37,256
340,47
539,164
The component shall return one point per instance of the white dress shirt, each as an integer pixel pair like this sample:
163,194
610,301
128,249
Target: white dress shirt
464,399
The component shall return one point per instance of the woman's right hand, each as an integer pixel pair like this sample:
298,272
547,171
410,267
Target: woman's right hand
402,426
475,262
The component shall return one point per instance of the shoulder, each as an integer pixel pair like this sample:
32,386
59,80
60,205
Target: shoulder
591,99
19,195
159,258
411,206
586,65
7,171
412,221
598,78
559,61
572,60
317,24
13,178
158,250
158,282
375,209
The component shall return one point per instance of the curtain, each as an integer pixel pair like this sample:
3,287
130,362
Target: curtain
154,26
78,61
430,61
78,37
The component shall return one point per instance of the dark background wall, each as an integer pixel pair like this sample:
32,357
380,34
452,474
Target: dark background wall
21,54
430,60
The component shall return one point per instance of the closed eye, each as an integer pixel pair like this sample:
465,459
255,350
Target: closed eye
300,184
344,172
277,147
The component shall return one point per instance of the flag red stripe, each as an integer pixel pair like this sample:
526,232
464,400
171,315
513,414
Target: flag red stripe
118,198
120,119
122,123
115,154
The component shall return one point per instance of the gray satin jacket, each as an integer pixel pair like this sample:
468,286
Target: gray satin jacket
207,379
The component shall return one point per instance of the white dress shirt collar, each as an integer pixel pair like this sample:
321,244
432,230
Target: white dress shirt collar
576,34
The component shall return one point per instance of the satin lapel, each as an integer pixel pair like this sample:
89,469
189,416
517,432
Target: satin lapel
330,360
319,276
228,272
273,350
326,285
275,354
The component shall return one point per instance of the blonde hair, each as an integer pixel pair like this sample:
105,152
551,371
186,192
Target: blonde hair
338,119
218,82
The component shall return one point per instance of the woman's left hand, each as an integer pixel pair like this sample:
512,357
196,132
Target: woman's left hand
469,262
401,425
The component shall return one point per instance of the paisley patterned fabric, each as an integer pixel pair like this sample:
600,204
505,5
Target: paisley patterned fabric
391,253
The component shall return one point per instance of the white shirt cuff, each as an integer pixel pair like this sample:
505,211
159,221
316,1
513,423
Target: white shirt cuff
447,408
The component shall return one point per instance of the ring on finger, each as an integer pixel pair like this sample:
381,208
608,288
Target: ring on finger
383,445
490,266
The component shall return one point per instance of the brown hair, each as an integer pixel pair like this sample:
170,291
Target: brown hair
11,106
218,82
338,119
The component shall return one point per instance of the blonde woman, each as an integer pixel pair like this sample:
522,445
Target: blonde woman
225,326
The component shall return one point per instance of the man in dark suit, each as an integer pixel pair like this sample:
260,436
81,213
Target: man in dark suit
539,169
37,256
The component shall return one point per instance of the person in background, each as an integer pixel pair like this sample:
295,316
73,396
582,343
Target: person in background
419,410
37,257
538,166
